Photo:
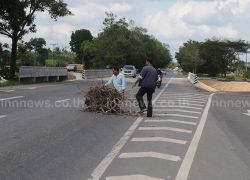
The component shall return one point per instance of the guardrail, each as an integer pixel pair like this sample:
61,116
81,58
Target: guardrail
42,72
96,73
193,78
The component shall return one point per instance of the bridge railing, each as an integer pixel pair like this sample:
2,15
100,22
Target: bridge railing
42,72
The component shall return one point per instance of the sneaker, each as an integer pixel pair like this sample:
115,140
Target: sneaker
142,111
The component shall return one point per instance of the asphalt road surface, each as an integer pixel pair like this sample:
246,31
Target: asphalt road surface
193,134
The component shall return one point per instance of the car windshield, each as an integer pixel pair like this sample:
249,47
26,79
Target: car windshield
129,67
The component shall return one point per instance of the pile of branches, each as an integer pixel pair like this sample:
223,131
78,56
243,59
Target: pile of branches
104,99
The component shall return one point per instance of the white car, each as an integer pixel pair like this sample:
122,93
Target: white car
129,70
71,67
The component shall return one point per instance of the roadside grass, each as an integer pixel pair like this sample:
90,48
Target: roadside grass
10,83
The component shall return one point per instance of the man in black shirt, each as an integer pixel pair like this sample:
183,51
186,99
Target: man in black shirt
147,79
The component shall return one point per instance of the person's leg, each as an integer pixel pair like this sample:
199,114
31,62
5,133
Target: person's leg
150,105
139,97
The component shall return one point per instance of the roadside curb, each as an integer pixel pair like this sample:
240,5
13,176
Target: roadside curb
203,86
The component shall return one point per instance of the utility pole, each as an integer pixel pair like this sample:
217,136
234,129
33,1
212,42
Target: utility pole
246,60
53,44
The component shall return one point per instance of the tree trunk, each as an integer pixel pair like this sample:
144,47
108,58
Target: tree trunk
13,58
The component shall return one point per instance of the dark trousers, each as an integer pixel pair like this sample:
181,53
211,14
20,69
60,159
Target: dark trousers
139,96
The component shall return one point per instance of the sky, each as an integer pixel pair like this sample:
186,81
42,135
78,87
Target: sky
171,21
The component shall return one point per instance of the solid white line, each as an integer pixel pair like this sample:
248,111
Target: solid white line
150,155
171,120
174,106
176,110
178,115
104,164
10,98
2,116
132,177
59,101
189,157
159,139
164,129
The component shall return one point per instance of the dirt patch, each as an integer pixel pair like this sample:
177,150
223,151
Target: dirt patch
228,86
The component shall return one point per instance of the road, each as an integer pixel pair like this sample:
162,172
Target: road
192,135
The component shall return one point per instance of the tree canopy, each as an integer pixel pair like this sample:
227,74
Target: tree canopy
121,42
215,56
17,19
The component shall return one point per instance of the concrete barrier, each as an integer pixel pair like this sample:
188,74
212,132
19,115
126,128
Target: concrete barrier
96,73
44,73
193,78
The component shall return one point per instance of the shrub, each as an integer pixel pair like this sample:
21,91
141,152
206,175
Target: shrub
247,74
230,78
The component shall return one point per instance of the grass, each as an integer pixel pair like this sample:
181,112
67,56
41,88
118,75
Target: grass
10,83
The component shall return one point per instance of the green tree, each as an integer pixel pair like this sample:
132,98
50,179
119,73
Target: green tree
77,38
189,56
17,19
122,43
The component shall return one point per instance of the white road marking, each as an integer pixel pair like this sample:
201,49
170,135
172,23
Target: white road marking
248,113
7,90
178,115
181,101
174,106
176,110
167,157
132,177
2,116
186,99
164,129
158,139
63,100
10,98
171,120
104,164
189,157
186,96
31,88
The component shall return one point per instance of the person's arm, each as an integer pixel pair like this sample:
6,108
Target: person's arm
123,83
110,81
140,77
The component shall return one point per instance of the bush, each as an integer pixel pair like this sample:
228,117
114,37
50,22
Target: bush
230,78
247,74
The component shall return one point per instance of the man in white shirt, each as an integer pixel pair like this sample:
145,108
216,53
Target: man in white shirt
118,80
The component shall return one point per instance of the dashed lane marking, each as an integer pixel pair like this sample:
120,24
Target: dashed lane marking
2,116
177,115
150,155
176,110
171,120
10,98
132,177
164,129
63,100
159,139
7,91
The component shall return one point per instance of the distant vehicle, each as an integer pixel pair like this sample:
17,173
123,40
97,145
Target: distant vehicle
129,70
164,72
71,67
